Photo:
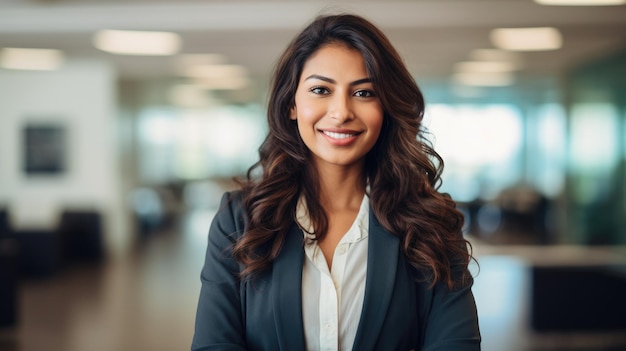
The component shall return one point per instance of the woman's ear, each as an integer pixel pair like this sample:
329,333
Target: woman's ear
293,114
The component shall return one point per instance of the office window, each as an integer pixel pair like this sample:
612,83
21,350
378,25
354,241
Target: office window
195,144
547,149
594,149
481,146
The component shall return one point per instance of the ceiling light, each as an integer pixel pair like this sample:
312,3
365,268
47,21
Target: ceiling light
484,79
137,42
581,2
495,55
201,59
31,59
218,77
527,39
183,62
214,71
486,66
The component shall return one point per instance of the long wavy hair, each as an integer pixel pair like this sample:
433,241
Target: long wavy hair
403,169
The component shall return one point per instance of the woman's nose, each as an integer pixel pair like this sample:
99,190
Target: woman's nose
340,108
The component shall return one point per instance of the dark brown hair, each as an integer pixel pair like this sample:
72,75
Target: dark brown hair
403,169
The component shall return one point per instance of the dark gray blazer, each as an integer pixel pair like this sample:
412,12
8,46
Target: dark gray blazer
266,313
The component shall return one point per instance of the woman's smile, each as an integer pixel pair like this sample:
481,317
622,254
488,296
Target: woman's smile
340,137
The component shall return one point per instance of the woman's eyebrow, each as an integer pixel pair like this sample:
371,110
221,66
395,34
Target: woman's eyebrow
317,76
332,81
361,81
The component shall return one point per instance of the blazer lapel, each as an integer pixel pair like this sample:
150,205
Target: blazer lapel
382,261
287,292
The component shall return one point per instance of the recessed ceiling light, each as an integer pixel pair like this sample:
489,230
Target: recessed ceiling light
486,66
527,39
496,55
185,61
31,59
484,79
224,83
201,59
217,76
212,71
125,42
581,2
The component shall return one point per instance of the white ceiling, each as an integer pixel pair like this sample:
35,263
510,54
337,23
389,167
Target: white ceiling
431,35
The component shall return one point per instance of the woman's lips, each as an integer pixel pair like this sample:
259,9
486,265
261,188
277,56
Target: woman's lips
340,137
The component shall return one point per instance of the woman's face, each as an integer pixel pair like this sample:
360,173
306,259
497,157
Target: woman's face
338,112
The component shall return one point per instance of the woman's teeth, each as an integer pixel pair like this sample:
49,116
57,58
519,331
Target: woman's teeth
338,135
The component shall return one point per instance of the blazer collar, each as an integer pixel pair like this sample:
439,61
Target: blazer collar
382,262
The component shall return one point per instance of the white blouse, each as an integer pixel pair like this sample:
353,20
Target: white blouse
332,300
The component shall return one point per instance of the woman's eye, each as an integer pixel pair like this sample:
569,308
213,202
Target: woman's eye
364,93
319,90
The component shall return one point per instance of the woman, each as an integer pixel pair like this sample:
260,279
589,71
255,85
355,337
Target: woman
343,242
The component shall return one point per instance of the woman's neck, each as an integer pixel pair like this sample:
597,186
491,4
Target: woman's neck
341,188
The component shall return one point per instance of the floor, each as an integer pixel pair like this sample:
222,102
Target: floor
147,302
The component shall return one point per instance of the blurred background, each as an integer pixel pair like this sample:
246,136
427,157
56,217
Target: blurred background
123,122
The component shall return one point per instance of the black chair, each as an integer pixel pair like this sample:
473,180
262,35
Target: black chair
579,299
39,253
8,273
81,236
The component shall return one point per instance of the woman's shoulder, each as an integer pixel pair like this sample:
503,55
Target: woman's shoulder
232,196
231,211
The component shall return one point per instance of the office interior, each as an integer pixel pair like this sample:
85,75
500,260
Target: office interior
112,163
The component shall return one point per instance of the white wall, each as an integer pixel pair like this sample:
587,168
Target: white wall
82,97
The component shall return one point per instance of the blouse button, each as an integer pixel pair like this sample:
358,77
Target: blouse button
342,249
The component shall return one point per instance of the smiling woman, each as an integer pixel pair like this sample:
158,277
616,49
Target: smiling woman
343,242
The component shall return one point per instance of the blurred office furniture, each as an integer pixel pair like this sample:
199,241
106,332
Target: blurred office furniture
518,215
34,222
76,237
579,298
147,209
156,207
39,252
525,210
8,273
600,221
81,236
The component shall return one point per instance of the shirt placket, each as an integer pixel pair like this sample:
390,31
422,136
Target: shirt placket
328,306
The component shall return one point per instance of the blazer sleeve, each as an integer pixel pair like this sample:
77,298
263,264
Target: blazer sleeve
452,322
219,324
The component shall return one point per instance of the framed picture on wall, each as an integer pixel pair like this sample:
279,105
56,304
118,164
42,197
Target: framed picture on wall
44,146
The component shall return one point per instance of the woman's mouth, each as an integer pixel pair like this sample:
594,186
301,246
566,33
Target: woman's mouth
340,138
335,135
